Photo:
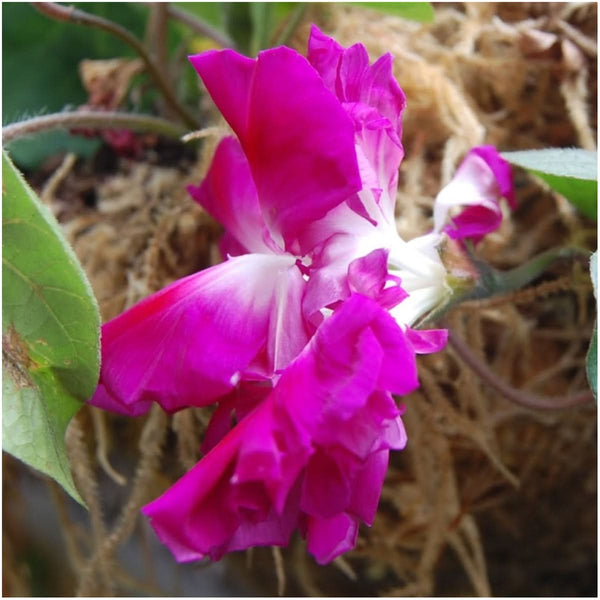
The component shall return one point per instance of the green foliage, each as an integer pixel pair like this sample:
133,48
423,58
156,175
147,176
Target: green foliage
413,11
572,172
40,69
252,25
592,355
50,332
212,13
261,16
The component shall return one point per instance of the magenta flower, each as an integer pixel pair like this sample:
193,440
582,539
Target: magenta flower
479,182
189,344
312,455
304,332
306,190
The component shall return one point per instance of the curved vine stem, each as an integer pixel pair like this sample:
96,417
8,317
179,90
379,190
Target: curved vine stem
91,118
199,26
292,25
79,17
517,396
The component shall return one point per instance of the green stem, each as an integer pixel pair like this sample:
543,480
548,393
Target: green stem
494,282
199,26
79,17
95,119
292,24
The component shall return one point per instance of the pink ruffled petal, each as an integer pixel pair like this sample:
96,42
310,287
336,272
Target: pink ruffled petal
187,344
366,488
193,517
480,181
326,489
379,152
358,349
287,463
232,94
288,330
398,372
328,538
298,139
225,502
347,73
369,429
228,194
274,530
375,102
332,254
502,172
242,400
328,282
369,275
427,341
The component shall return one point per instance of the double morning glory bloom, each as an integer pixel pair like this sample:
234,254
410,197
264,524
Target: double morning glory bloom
304,333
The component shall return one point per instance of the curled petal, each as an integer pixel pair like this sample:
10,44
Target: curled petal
308,456
379,152
367,486
187,344
328,538
207,514
298,139
193,517
228,193
427,341
347,73
369,275
375,102
326,487
244,398
232,94
502,172
480,181
359,349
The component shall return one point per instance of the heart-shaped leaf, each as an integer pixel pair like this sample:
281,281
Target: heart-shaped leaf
50,332
572,172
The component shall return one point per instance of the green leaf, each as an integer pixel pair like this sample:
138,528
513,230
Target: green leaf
571,172
50,332
413,11
592,355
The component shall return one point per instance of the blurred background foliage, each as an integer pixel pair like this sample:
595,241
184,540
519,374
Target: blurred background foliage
41,57
40,69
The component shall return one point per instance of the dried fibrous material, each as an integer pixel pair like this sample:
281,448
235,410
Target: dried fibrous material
488,497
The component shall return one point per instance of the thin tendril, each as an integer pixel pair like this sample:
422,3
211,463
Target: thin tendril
517,396
90,118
